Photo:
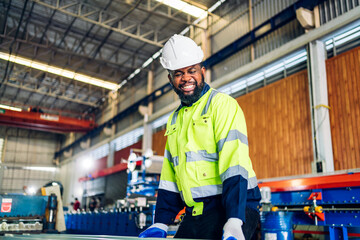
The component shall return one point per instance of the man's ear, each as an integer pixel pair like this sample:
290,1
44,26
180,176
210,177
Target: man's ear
170,80
203,70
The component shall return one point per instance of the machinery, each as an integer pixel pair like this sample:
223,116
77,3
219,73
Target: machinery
27,214
131,215
326,204
143,173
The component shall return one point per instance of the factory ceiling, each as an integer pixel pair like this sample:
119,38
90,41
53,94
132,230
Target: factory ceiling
106,40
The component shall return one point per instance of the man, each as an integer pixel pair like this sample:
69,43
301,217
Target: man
92,204
207,167
76,204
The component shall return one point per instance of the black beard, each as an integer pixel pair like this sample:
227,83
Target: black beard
188,99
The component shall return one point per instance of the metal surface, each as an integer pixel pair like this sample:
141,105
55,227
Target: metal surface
331,201
70,237
65,236
331,9
314,182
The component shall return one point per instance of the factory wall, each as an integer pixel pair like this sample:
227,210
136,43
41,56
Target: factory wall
68,179
27,148
159,142
70,173
331,9
343,76
124,153
279,127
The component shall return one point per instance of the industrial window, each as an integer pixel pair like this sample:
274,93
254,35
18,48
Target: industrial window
121,142
100,152
342,42
271,73
160,122
128,138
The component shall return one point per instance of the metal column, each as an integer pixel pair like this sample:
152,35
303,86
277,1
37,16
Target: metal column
322,131
147,137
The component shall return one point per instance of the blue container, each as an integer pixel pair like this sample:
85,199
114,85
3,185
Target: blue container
121,223
276,225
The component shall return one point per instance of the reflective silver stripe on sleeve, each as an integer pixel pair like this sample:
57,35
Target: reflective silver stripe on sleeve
167,154
206,191
252,183
173,120
206,108
238,170
234,171
232,135
168,186
201,155
174,160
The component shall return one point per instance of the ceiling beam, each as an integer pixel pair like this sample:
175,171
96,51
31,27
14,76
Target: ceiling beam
63,97
48,46
105,23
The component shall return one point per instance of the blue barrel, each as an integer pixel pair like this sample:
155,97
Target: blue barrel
276,225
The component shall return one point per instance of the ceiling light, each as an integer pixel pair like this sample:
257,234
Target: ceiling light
185,7
10,108
45,169
59,71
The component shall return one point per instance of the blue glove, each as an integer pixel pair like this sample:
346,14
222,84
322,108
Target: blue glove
232,230
157,230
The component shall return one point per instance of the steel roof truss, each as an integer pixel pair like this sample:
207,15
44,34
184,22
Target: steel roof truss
59,52
35,87
75,44
98,21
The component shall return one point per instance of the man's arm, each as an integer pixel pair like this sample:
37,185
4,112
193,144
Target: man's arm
168,202
234,161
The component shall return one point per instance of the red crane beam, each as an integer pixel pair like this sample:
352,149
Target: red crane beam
44,121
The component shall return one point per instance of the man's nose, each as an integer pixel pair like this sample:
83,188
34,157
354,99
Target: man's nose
186,77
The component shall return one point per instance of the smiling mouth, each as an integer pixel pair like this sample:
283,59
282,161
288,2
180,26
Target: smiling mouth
188,88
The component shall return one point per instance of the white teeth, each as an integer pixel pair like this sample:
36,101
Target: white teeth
187,87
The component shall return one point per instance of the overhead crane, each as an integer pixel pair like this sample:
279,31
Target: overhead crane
44,122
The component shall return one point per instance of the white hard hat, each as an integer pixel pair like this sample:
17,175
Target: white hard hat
179,52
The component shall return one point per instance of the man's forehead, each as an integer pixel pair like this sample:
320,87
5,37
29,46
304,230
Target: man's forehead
186,68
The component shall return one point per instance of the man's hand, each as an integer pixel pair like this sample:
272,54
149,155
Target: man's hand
232,230
157,230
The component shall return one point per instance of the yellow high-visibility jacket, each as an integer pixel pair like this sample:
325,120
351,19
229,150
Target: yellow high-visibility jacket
207,157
